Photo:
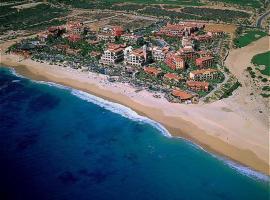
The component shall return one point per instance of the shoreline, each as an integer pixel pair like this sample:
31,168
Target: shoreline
132,115
212,135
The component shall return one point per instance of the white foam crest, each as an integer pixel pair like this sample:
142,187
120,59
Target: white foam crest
53,85
246,170
111,106
120,109
15,81
13,71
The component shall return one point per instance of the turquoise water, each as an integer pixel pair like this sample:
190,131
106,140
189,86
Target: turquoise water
62,144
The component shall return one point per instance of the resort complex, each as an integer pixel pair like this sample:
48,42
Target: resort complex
170,57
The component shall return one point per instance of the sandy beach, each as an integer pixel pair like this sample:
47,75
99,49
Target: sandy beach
232,127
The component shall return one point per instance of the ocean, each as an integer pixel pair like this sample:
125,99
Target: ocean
58,143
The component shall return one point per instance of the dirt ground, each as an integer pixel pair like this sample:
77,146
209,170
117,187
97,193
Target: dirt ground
228,28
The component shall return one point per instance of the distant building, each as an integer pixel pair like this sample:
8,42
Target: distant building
205,62
152,71
137,57
198,85
95,54
43,36
180,29
204,74
107,37
174,61
186,41
131,38
73,37
158,53
203,38
172,77
113,54
74,28
187,53
56,30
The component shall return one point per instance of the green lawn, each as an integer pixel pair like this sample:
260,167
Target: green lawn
263,59
250,3
247,37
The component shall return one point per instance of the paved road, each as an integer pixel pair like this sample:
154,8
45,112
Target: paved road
261,18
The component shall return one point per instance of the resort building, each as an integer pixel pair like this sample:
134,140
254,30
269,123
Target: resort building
187,53
198,85
175,61
136,57
172,77
131,38
204,74
186,41
43,36
73,37
95,54
107,37
185,97
56,30
203,38
180,29
152,71
113,54
172,30
158,53
74,28
205,62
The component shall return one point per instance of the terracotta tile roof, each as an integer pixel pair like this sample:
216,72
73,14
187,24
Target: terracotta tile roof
115,47
152,70
72,25
181,94
197,84
95,53
74,37
204,58
172,76
178,59
137,52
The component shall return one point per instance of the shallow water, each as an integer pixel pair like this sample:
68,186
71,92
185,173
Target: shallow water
63,144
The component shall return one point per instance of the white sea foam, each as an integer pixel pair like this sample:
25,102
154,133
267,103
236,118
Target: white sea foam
246,171
13,71
130,114
111,106
15,81
120,109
